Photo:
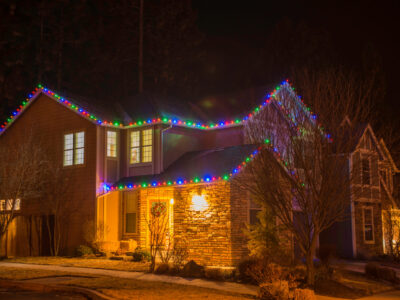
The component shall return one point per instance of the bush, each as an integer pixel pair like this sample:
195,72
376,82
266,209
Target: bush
263,272
304,294
83,250
191,269
162,269
242,268
276,290
214,274
371,270
140,255
180,253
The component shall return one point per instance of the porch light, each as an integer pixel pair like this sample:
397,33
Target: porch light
199,203
171,201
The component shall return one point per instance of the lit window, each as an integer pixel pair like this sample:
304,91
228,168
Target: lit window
10,205
368,224
366,177
141,146
74,148
147,137
130,213
111,144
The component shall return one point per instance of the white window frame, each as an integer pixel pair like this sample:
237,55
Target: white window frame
141,147
108,144
364,208
74,150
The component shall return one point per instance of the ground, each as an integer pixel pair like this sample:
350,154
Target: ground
124,280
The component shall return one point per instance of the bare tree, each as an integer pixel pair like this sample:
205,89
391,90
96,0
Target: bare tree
21,178
302,173
391,231
158,229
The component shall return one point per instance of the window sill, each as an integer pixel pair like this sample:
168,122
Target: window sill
141,164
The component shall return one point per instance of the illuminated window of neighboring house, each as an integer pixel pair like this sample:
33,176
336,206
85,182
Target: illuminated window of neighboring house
111,144
74,148
254,209
141,146
130,213
368,221
366,171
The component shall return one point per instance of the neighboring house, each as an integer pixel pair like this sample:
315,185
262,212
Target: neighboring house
371,193
153,155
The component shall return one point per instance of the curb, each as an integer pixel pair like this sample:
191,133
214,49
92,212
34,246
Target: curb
43,288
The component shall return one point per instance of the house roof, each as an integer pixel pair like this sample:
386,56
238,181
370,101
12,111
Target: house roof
197,166
145,109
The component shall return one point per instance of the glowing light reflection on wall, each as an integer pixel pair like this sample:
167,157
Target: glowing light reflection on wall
199,203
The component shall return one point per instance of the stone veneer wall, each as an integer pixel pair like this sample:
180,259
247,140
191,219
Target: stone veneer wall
208,233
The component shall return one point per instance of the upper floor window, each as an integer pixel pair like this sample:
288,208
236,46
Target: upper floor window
366,171
254,209
10,205
141,146
111,144
368,220
74,148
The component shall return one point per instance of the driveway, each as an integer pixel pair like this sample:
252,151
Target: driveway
24,295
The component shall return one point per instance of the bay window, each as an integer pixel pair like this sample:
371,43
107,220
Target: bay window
111,144
141,146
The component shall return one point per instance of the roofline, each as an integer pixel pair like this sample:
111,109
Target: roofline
40,89
388,155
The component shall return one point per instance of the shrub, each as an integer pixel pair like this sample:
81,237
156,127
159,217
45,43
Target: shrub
191,269
304,294
162,268
140,255
180,253
276,290
214,274
387,274
242,268
83,250
263,272
371,270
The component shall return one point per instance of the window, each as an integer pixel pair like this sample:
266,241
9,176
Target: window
74,148
130,213
111,144
366,176
368,224
141,146
254,209
10,205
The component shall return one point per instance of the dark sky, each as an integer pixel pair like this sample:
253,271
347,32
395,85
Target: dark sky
350,24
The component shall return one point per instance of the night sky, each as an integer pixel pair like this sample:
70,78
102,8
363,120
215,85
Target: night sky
351,25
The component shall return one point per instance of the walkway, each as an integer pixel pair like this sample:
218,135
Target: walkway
223,286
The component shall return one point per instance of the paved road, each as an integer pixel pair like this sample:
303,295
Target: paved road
24,295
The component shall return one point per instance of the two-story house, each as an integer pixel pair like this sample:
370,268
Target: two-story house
124,158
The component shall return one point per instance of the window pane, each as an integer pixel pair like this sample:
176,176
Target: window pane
135,139
80,139
79,156
135,155
367,216
147,154
369,236
365,171
130,223
68,141
253,216
147,137
68,157
130,203
111,144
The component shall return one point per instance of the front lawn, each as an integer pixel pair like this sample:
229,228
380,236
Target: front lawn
119,288
96,263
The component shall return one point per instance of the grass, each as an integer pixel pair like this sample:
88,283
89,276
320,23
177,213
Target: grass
96,263
119,288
